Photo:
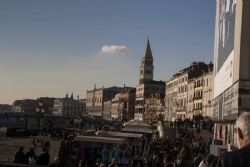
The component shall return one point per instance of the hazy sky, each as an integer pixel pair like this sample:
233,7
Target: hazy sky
51,47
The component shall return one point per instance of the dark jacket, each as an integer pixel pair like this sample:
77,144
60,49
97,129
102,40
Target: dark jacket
19,157
30,154
186,163
239,158
44,159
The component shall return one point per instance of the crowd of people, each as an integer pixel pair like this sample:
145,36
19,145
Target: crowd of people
30,157
186,149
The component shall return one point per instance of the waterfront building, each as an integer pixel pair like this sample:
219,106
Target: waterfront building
25,105
47,104
68,106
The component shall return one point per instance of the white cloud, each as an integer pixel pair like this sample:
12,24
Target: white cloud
114,49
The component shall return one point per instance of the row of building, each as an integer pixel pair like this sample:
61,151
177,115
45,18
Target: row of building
67,106
187,94
111,103
125,103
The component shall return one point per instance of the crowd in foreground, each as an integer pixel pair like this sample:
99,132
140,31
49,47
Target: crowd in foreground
187,149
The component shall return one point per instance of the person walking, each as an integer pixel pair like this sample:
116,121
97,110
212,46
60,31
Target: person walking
184,158
19,156
168,161
44,158
113,163
30,157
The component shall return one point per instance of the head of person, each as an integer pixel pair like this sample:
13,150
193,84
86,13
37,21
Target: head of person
185,153
243,129
21,148
82,163
31,149
98,161
56,160
167,159
45,150
197,160
102,164
114,161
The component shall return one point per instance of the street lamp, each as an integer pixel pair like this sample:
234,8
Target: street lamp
40,111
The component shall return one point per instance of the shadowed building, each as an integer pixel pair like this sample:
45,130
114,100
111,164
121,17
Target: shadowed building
25,105
96,98
123,105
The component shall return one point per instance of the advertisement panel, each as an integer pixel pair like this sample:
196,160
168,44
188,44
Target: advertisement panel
225,42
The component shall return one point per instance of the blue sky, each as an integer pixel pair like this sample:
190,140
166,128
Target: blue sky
51,47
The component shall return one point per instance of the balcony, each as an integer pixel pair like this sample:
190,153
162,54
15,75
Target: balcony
197,109
197,97
197,85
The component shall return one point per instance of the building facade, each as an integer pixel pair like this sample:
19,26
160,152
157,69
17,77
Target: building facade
127,100
68,106
197,98
190,107
95,99
25,105
208,94
184,92
47,104
200,95
107,110
232,70
115,107
154,108
123,105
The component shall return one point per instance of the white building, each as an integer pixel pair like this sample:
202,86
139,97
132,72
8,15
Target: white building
184,92
68,107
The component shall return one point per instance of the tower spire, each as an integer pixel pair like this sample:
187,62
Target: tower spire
147,67
147,51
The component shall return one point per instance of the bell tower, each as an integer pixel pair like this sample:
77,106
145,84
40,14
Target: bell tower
146,68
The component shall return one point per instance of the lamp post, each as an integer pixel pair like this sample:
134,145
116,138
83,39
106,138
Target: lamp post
40,111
